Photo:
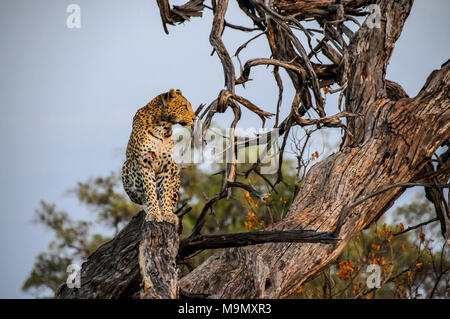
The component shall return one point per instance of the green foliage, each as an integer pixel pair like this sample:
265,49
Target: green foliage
49,272
229,215
75,240
103,196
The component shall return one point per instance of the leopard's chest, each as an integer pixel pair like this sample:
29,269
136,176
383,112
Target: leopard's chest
157,153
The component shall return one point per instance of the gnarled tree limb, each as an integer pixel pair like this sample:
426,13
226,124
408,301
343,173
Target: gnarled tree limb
395,138
400,143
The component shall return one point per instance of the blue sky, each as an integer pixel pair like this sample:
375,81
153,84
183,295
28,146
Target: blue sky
67,96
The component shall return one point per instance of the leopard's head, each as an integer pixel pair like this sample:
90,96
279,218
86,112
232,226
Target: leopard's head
177,108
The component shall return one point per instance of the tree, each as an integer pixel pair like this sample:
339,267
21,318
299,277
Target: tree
390,142
413,266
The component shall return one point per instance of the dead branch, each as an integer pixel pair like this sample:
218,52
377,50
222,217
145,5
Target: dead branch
201,242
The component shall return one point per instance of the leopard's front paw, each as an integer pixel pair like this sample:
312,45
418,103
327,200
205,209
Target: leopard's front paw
153,216
171,218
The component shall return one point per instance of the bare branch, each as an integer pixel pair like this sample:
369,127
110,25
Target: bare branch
179,14
193,244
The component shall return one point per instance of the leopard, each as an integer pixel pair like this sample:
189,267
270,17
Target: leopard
150,175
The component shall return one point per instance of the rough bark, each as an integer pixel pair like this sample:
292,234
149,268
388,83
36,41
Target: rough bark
158,251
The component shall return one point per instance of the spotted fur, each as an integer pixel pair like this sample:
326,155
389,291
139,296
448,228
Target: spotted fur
149,175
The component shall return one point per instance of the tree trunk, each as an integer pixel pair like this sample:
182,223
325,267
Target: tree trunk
158,251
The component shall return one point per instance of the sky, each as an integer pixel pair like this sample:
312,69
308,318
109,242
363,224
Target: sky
67,96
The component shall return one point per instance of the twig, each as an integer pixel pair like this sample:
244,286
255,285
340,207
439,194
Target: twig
346,209
416,226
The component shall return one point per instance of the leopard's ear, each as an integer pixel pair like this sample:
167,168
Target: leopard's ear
168,96
171,94
179,91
